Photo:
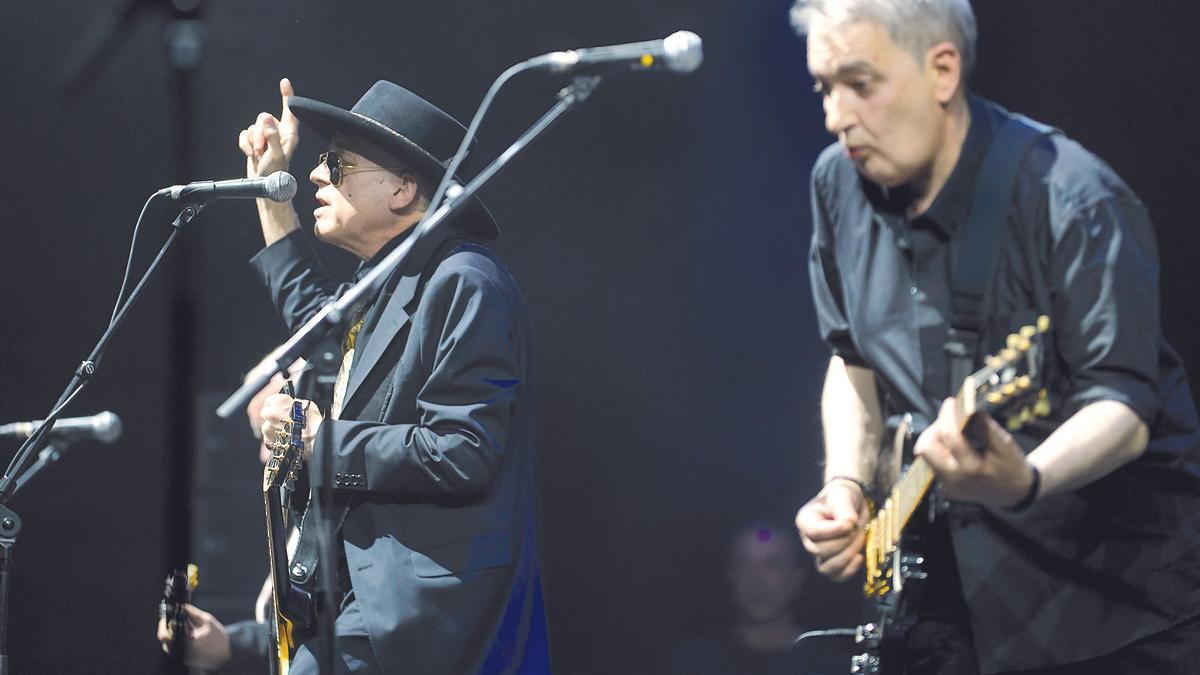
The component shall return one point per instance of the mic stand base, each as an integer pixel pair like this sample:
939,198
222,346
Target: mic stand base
10,526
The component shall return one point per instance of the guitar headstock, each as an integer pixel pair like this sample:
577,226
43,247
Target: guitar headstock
177,591
287,450
1010,384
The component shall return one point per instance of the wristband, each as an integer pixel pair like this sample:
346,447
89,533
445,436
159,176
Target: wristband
1030,497
862,487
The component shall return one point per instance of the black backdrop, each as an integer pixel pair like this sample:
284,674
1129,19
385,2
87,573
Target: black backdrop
659,236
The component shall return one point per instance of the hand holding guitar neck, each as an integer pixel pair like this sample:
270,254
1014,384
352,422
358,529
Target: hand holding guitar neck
975,458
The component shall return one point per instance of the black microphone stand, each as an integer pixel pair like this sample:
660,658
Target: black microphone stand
10,527
17,476
308,340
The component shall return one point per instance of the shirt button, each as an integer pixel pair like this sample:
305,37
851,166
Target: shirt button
912,291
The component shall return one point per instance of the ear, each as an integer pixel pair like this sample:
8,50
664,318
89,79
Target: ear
406,190
943,65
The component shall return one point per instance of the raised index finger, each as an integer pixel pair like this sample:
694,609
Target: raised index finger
286,91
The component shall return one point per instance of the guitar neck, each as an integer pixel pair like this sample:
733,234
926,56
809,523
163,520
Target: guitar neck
887,527
911,488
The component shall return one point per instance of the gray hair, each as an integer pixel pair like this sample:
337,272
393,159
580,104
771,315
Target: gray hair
915,25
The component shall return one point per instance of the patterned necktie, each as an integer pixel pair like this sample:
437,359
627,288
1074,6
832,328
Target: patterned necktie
343,376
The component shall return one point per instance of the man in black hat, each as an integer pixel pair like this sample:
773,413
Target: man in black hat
430,430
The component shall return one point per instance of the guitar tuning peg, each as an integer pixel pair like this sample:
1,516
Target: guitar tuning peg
1023,382
995,398
1042,407
1023,344
1028,331
1012,339
1013,424
1008,390
1008,355
1043,324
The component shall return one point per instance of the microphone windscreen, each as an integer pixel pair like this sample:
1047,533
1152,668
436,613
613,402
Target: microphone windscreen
683,51
107,425
280,186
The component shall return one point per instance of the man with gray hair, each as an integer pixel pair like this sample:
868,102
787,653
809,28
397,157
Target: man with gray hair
942,223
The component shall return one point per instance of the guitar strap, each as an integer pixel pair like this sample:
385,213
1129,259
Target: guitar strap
979,243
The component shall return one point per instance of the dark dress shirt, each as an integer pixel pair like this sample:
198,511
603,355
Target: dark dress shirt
1083,572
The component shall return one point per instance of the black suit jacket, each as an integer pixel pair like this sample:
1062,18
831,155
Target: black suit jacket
434,452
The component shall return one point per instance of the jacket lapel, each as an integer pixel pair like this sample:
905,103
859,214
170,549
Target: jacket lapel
391,321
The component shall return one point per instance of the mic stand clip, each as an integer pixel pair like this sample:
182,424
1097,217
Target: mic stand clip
189,212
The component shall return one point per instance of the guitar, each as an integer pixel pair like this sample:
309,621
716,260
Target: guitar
1008,387
280,474
177,591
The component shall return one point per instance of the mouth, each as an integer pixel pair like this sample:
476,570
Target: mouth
855,152
322,204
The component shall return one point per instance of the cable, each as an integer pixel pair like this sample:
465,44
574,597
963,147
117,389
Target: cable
831,632
87,368
472,129
129,261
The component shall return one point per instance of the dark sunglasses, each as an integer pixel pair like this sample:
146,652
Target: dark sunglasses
339,168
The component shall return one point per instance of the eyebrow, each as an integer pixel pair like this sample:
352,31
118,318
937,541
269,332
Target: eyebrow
848,69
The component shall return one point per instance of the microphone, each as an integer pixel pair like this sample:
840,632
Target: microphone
679,52
278,187
104,427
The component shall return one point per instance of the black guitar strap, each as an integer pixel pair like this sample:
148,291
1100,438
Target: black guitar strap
979,242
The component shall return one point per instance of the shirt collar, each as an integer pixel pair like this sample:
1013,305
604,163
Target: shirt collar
366,266
950,209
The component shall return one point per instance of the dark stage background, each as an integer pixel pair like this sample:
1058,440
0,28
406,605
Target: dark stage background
660,237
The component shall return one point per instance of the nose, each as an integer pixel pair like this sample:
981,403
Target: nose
319,176
839,111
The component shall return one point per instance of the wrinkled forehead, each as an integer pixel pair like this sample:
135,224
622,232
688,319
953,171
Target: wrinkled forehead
833,48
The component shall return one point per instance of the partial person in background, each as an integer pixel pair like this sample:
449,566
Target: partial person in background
765,579
210,645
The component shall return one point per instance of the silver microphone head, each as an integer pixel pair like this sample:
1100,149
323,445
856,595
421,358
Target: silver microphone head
280,186
106,425
683,51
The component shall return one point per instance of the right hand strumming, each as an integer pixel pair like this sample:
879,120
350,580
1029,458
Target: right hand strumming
832,529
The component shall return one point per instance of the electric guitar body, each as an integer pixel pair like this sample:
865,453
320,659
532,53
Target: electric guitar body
1009,388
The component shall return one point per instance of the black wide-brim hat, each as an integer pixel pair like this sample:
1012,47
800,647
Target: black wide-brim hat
407,126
